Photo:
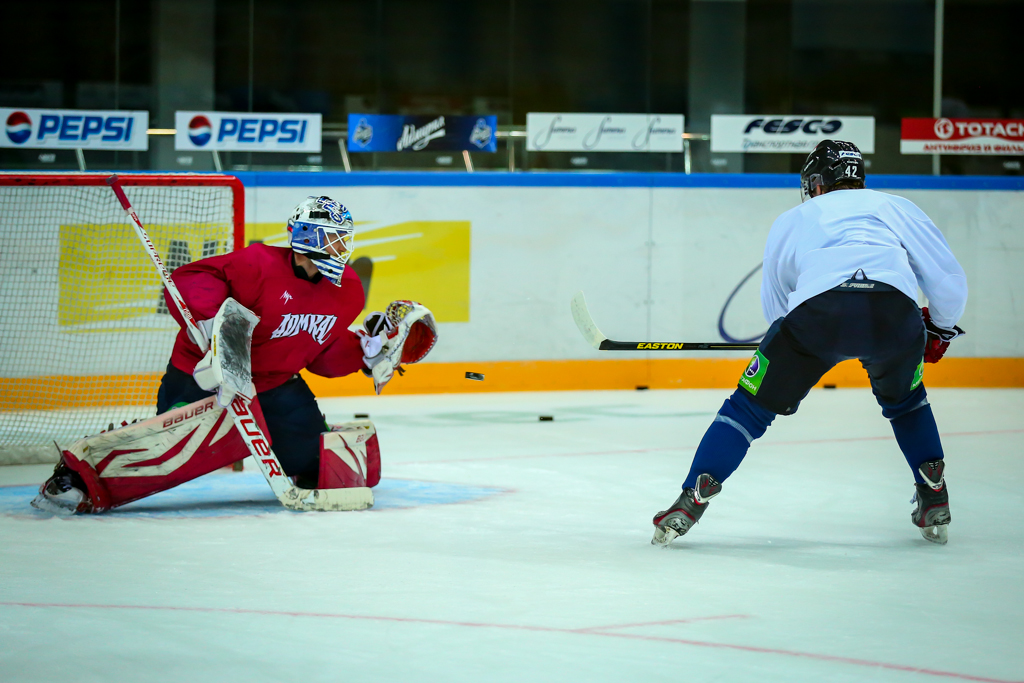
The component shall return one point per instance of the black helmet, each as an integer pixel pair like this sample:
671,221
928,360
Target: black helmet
830,162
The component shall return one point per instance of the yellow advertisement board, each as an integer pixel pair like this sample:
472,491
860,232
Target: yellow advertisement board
426,261
121,285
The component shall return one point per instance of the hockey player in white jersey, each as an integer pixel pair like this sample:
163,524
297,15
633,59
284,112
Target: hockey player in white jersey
840,281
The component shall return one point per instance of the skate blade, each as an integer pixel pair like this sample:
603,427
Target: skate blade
663,536
44,504
936,534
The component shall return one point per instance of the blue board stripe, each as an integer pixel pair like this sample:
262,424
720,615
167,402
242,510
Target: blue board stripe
652,180
567,179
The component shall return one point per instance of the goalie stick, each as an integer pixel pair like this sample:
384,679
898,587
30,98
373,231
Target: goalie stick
291,496
588,328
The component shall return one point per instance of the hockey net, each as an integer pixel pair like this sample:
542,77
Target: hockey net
84,332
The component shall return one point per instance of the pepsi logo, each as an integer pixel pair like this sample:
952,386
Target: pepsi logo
19,127
199,130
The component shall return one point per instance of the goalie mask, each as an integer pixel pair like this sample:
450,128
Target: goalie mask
321,229
831,162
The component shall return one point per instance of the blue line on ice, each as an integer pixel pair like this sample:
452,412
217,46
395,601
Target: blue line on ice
238,494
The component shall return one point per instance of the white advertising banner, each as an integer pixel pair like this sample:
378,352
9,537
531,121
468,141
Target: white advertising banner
604,132
246,132
764,133
75,129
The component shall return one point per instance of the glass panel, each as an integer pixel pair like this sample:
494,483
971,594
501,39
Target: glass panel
508,58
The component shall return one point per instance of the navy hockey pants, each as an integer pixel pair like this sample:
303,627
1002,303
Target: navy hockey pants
881,327
292,414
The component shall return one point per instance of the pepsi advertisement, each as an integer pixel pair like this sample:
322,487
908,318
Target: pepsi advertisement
394,133
74,129
225,131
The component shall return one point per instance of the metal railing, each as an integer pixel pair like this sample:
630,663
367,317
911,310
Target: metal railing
338,132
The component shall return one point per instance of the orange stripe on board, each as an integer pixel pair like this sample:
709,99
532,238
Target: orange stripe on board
661,373
67,391
49,393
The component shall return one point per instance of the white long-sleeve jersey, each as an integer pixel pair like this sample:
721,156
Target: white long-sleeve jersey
824,241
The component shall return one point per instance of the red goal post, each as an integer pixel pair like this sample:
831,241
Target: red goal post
163,180
84,332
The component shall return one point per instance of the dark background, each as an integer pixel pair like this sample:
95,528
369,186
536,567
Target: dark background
509,57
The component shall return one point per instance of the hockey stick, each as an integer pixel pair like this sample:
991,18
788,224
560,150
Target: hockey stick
588,328
245,422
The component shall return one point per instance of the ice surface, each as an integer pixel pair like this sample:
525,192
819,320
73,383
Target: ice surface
507,549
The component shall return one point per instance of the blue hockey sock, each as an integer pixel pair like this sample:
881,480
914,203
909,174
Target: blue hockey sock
738,423
915,429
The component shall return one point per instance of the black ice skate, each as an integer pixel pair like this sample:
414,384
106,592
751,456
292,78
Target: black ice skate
63,493
932,513
686,511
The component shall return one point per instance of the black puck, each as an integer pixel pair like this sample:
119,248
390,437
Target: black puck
478,376
546,418
642,387
828,386
362,416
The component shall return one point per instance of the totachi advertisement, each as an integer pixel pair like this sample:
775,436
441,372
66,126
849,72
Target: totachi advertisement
768,133
75,129
962,136
246,132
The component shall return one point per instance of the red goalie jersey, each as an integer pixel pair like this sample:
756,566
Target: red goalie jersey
303,324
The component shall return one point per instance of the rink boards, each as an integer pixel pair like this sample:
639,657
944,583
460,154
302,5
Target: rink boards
663,257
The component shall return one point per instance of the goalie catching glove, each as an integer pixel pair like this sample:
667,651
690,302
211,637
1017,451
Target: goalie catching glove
403,334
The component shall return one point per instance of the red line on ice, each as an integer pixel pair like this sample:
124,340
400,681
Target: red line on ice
660,623
543,629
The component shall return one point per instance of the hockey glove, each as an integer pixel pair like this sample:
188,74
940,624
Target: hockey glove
208,376
376,328
205,330
937,338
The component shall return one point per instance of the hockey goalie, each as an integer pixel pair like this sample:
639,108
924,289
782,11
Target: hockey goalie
263,314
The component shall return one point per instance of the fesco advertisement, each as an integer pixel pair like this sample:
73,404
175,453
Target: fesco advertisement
246,132
75,129
394,133
962,136
604,132
767,133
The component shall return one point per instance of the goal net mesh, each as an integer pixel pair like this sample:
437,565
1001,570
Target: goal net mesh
84,331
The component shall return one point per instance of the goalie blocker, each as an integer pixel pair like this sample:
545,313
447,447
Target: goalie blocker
141,459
